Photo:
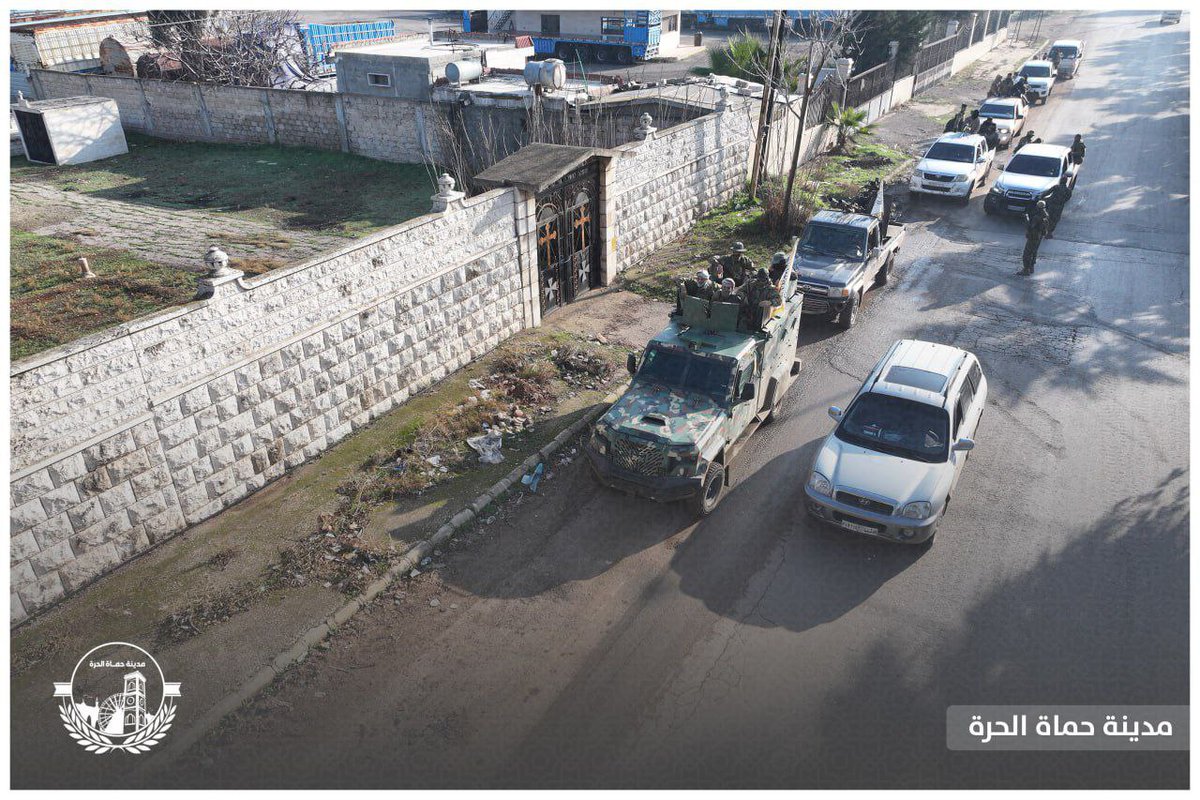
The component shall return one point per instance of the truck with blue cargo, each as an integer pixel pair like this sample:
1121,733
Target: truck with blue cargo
701,389
320,40
842,255
623,38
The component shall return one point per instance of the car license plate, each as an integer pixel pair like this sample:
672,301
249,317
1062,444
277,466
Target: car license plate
854,526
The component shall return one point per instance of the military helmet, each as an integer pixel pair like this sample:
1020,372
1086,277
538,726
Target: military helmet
762,275
738,247
779,258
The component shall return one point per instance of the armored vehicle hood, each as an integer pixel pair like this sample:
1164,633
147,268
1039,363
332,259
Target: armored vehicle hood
671,415
824,269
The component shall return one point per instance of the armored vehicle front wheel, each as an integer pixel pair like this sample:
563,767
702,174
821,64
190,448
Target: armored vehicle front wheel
710,494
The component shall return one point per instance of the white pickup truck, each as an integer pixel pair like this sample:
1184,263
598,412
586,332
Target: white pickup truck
1068,53
952,167
1039,77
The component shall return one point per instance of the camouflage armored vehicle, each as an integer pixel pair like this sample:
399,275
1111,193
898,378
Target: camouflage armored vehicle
702,387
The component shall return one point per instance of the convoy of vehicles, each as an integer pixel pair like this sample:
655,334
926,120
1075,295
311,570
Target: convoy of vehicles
890,466
1028,177
702,387
1068,52
841,256
1039,77
1008,113
952,167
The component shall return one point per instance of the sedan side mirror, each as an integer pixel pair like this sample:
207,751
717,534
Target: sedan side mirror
835,413
964,444
747,392
631,363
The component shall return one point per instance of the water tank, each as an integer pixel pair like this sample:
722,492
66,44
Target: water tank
463,71
550,74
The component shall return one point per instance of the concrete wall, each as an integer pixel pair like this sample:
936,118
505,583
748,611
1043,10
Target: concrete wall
411,76
386,128
124,438
662,185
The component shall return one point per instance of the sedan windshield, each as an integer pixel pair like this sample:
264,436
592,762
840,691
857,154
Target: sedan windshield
1040,166
896,426
681,370
944,151
1035,71
834,240
998,111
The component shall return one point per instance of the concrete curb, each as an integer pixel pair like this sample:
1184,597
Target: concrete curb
408,561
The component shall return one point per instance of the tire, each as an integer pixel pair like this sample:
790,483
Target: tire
849,314
710,493
965,200
625,55
776,403
563,52
881,277
604,55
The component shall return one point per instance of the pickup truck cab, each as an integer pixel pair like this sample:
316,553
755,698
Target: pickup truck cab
841,256
1039,75
702,387
953,166
1069,53
1009,114
1028,177
891,465
1170,17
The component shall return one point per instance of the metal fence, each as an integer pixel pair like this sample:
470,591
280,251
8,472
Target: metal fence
865,85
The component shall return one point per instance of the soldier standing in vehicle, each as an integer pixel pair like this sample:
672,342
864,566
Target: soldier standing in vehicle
1055,203
1077,149
737,264
1026,139
956,122
759,296
971,125
728,293
1037,222
989,131
700,286
778,267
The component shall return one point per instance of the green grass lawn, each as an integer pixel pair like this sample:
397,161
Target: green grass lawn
52,305
292,188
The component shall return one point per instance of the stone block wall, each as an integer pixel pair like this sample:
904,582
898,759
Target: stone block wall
663,184
124,438
386,128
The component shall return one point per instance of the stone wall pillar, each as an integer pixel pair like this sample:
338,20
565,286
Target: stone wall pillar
608,221
525,218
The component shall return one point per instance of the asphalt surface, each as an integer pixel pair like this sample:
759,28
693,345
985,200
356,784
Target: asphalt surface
595,640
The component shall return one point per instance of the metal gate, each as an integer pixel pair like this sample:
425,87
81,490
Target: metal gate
568,236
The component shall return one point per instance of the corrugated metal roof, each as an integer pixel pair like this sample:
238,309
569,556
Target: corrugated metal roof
73,19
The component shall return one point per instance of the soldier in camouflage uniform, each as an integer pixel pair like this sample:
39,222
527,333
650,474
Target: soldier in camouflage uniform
1037,223
778,267
1055,203
699,286
737,264
728,292
759,296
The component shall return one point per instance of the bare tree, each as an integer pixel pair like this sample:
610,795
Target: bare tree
233,48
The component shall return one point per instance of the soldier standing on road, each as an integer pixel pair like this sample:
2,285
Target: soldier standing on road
1026,139
737,265
759,296
1035,229
997,86
1055,203
972,123
1006,86
1077,148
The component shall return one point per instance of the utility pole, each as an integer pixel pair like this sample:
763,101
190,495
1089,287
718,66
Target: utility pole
787,197
764,110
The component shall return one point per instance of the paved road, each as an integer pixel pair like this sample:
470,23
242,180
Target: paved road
601,641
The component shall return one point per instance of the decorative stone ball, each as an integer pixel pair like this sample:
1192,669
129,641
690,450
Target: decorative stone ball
217,262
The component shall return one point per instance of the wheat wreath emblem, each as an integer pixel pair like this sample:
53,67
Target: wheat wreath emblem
95,742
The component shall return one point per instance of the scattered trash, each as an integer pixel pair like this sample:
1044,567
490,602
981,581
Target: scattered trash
426,561
532,479
434,461
488,446
435,602
414,573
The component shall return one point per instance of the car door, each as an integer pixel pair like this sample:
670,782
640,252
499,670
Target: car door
983,161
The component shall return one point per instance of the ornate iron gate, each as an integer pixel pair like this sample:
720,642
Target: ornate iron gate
568,236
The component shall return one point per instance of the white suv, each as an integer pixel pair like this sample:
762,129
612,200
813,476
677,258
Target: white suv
889,468
1039,75
953,166
1009,115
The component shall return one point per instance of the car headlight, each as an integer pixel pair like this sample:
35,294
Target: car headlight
996,190
960,178
820,484
839,291
682,463
918,510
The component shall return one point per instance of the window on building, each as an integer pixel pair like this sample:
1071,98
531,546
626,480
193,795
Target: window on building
671,23
379,79
550,23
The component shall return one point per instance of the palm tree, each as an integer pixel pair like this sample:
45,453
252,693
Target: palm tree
850,123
